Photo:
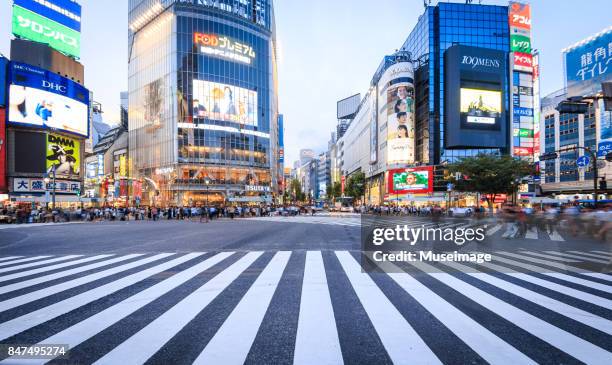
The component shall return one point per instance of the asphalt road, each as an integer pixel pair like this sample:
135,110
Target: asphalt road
291,290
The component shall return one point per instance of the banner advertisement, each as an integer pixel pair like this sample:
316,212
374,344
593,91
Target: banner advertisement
224,102
520,43
63,156
38,185
523,62
65,12
589,64
3,183
417,180
221,46
40,98
29,25
520,16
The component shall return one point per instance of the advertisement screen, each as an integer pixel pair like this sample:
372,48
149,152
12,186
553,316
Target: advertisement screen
40,98
63,155
411,180
400,123
224,102
588,65
220,46
29,25
65,12
480,106
520,15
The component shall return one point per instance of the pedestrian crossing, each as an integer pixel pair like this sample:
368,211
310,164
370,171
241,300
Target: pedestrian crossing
308,307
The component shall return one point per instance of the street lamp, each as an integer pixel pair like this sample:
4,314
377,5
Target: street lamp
207,183
46,180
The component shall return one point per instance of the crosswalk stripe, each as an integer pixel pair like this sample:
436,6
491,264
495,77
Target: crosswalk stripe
572,256
494,229
573,345
609,254
317,336
484,342
42,315
9,258
38,294
581,253
12,262
569,311
42,279
555,236
89,327
550,257
143,344
586,297
38,263
50,268
392,328
241,327
531,233
557,265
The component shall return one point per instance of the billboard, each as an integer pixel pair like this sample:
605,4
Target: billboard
520,43
40,98
3,185
3,73
64,156
29,25
589,64
65,12
417,180
396,96
520,16
221,46
212,100
523,62
475,89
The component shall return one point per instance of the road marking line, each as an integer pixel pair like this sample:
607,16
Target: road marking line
42,293
567,310
392,328
494,229
93,325
531,233
607,259
146,342
555,236
550,257
50,268
23,260
558,275
609,254
61,274
484,342
565,341
317,339
241,326
44,262
572,256
10,258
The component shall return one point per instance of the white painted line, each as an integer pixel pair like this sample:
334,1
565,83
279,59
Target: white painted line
494,229
549,257
50,268
23,260
317,339
39,294
601,257
146,342
10,258
555,236
565,341
37,263
392,328
531,233
241,326
579,257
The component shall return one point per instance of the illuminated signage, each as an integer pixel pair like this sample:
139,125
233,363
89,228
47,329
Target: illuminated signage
523,133
520,43
65,12
522,151
224,47
480,106
416,180
258,188
25,185
29,25
520,16
480,61
589,64
523,62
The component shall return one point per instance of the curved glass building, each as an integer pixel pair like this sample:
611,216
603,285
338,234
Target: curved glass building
203,101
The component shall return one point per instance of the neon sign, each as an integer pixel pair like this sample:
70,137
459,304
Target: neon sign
224,47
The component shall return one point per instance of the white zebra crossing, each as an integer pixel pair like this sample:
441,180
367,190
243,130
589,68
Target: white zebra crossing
317,335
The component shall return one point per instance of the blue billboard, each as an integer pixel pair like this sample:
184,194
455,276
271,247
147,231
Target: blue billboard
3,86
65,12
281,139
589,64
43,99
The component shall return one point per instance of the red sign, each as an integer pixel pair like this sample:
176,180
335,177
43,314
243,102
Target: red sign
522,151
3,187
416,180
523,62
520,16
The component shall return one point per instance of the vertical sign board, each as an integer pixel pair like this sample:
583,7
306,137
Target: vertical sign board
3,77
3,186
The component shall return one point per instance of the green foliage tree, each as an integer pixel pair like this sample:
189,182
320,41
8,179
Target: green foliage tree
489,175
295,190
355,186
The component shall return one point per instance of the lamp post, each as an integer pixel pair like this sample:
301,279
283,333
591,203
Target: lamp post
207,183
46,180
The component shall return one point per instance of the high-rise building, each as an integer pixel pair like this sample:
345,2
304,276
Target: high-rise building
306,155
203,103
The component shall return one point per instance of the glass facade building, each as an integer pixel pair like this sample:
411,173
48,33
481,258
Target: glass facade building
203,101
439,28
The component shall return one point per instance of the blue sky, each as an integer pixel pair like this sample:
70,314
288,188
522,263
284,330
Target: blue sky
329,50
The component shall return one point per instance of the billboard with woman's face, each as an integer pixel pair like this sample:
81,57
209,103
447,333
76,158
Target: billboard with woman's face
396,95
416,180
212,100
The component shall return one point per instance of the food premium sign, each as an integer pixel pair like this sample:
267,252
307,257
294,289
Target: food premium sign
224,47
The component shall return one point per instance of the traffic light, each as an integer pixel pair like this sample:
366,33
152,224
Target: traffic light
548,156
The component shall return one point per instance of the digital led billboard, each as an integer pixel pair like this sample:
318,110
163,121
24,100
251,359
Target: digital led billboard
589,64
417,180
212,100
475,102
40,98
221,46
63,156
65,12
480,106
37,28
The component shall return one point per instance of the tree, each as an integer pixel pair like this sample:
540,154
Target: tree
336,190
355,186
489,175
295,190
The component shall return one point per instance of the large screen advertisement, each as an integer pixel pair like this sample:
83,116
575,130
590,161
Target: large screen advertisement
418,180
212,100
65,12
63,156
37,28
40,98
480,106
588,65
